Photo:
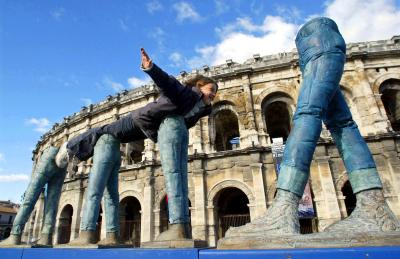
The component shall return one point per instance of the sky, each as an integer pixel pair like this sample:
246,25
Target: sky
57,56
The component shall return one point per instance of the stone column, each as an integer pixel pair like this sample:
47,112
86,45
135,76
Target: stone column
342,204
199,222
157,222
39,216
78,209
250,136
149,153
373,121
147,225
390,176
212,228
327,206
260,202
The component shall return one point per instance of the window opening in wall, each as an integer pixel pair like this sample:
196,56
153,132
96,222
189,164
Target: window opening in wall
232,209
130,221
277,119
65,224
390,90
226,131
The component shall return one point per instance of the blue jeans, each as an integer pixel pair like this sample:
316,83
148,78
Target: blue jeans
173,141
46,171
103,178
322,55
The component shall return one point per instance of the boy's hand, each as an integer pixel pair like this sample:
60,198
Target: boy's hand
146,60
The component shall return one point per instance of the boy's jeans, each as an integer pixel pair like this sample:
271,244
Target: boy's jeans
173,143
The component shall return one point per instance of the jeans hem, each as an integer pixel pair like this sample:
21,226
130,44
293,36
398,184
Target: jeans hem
364,179
292,179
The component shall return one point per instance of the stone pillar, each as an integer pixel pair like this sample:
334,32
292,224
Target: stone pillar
250,136
147,225
199,222
39,216
390,176
342,204
157,222
212,226
373,121
197,138
149,153
78,211
323,187
260,202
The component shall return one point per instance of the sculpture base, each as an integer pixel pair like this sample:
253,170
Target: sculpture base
317,240
183,243
94,246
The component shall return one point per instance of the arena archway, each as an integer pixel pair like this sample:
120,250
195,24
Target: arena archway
130,220
64,224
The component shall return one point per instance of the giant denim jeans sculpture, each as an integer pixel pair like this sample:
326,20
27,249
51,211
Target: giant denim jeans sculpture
173,143
322,54
103,178
46,171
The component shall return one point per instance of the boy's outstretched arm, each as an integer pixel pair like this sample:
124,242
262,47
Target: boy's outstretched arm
169,85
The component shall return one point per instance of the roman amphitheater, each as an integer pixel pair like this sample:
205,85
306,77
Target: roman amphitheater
231,183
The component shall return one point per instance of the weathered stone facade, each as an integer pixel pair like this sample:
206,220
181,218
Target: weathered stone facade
256,101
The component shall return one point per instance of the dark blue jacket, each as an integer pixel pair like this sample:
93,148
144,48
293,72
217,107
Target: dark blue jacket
175,99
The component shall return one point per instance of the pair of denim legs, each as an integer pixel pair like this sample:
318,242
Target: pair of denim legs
173,140
322,55
46,172
173,145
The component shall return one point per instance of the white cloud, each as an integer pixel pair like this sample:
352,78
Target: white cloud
137,82
87,101
157,34
154,6
123,25
221,6
186,12
117,87
41,124
176,58
365,20
239,41
57,13
14,178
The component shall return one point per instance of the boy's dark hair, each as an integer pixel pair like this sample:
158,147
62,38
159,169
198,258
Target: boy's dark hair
200,81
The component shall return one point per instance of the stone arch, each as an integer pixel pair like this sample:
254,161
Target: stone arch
132,193
380,79
341,180
389,91
277,110
229,183
290,91
219,108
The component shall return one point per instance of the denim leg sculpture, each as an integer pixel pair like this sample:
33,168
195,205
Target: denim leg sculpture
46,171
322,56
103,178
173,143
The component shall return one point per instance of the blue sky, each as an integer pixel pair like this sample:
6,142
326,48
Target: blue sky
57,56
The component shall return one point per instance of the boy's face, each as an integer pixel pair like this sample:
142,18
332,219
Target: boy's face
209,91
